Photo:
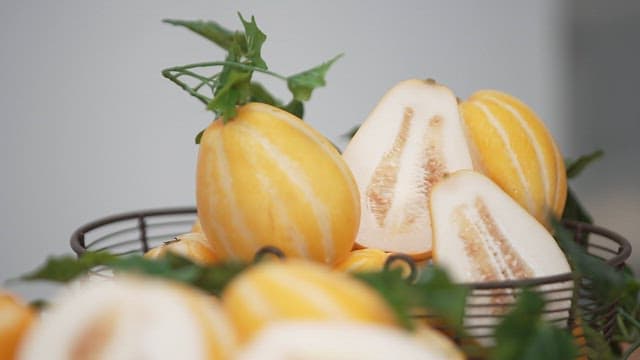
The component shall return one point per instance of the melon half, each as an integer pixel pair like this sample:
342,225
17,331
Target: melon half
411,140
482,235
131,318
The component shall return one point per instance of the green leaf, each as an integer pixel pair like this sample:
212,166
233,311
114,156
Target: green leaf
597,345
302,84
550,342
260,94
234,91
295,107
209,30
63,269
351,133
211,279
606,283
394,289
574,168
523,335
573,209
253,43
433,293
199,137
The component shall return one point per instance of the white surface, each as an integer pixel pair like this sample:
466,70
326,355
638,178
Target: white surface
90,128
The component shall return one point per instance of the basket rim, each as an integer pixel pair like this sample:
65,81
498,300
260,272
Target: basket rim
78,245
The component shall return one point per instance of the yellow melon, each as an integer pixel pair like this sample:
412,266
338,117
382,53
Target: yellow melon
363,260
193,246
196,227
15,320
268,178
296,289
131,318
513,147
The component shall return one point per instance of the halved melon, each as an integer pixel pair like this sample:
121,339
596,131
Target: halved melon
513,147
295,289
481,235
193,246
315,340
411,140
131,318
15,319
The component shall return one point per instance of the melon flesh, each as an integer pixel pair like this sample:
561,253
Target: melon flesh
411,140
481,234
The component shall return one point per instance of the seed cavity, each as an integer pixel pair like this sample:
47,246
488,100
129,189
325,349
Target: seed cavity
494,259
380,191
433,170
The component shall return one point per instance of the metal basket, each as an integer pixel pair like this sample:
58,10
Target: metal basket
487,303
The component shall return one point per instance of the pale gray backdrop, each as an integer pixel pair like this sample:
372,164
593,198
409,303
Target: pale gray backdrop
90,128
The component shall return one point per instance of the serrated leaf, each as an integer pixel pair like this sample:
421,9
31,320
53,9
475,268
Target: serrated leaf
63,269
575,167
574,210
302,84
209,30
254,40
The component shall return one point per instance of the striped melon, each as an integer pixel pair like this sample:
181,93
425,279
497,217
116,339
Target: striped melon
268,178
15,319
131,318
193,246
513,147
411,139
363,260
296,289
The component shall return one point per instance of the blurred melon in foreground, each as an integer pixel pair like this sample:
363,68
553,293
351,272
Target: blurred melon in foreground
15,319
268,178
411,139
307,340
131,318
513,147
294,289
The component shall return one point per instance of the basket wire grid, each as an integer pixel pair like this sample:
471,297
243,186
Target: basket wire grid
487,303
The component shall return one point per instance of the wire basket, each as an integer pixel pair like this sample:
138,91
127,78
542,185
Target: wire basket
487,303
